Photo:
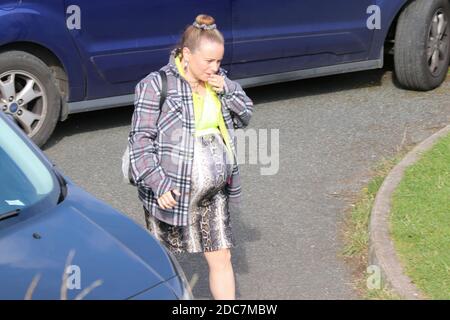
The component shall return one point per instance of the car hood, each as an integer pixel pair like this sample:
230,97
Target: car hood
101,251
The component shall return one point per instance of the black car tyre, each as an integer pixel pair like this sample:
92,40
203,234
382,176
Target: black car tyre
421,51
29,94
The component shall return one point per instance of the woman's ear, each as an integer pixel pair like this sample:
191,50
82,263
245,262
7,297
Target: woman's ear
186,53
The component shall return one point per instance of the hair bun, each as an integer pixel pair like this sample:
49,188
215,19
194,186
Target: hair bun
204,27
204,19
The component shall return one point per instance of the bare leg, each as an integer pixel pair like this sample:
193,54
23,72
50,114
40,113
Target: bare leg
221,276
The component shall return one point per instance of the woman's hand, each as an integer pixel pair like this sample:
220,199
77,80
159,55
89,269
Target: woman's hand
216,82
166,201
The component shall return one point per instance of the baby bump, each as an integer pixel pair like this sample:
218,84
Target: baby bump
210,168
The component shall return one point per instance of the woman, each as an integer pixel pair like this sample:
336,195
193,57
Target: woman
182,154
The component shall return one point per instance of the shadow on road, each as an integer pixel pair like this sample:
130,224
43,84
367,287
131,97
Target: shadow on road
322,85
91,121
118,117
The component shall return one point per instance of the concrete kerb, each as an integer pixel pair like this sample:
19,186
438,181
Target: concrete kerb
381,247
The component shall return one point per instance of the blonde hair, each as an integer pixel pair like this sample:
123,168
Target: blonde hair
204,28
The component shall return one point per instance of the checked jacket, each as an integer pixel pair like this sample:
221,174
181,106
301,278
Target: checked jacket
161,141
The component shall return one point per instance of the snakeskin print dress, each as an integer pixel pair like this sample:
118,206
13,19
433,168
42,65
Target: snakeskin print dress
209,226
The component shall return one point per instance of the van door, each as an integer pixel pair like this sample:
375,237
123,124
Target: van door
284,35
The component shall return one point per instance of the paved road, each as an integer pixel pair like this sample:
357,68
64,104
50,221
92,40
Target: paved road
332,130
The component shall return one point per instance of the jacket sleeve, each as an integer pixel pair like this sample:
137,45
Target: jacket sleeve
239,104
145,165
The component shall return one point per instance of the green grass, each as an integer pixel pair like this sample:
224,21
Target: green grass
356,233
420,221
358,236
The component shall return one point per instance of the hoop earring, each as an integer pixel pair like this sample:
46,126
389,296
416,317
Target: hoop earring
185,66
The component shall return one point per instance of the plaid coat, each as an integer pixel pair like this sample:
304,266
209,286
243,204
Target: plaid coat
161,142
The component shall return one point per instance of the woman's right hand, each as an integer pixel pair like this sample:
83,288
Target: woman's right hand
166,201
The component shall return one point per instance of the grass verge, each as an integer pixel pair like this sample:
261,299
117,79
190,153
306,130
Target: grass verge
420,221
356,232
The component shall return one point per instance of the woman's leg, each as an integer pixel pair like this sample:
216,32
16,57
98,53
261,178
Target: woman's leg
221,276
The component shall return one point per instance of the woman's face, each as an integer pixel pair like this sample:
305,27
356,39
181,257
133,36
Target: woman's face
205,60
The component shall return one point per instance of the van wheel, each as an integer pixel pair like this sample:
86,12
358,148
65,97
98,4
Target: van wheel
421,50
29,94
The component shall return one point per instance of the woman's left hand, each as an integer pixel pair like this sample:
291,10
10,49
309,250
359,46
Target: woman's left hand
216,82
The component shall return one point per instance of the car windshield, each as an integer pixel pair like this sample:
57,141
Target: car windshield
24,179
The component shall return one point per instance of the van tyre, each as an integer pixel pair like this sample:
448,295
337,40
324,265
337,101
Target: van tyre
421,51
29,94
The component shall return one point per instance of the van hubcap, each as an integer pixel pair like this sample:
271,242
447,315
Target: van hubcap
22,96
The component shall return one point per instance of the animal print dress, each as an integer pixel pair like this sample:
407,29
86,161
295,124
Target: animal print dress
209,226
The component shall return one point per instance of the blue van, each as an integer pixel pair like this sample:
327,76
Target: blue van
59,57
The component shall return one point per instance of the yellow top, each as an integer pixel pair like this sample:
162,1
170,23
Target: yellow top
207,112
